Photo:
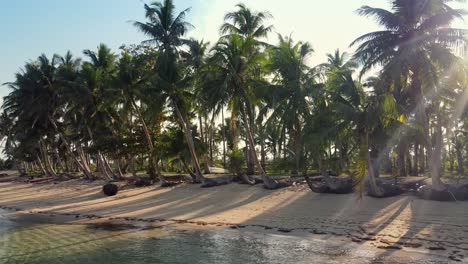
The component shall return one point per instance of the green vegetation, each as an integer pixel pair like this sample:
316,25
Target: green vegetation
250,104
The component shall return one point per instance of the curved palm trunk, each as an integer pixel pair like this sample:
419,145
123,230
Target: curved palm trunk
118,168
187,168
41,166
82,167
47,166
191,145
151,160
267,181
105,170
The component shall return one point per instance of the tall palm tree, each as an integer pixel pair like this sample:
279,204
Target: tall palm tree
416,41
231,78
171,77
133,79
246,23
294,84
96,102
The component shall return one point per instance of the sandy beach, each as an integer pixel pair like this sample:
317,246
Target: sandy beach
403,223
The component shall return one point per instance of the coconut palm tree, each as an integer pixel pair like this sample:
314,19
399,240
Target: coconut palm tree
231,78
36,102
134,81
172,77
415,42
246,23
294,83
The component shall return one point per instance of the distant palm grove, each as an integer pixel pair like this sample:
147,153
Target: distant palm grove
250,103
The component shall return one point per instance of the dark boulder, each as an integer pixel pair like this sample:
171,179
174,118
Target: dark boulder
110,189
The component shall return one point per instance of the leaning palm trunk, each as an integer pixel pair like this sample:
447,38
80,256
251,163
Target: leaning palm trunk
82,166
267,181
191,145
118,168
151,160
105,171
48,166
41,166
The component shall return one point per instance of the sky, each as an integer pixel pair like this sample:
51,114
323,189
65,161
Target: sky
29,28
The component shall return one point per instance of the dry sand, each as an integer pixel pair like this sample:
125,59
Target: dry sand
403,222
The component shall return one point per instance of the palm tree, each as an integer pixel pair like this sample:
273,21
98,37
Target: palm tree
36,102
133,78
246,23
171,76
416,41
293,87
231,78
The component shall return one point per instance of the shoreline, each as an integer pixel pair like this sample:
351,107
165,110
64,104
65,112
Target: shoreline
402,223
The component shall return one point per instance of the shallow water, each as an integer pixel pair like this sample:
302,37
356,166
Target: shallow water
47,243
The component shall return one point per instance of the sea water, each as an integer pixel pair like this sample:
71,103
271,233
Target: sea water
33,243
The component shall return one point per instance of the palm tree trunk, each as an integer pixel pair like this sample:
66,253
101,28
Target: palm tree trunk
187,168
415,160
149,141
102,167
108,167
298,146
82,167
408,161
224,137
267,181
459,154
436,155
370,169
41,166
263,154
401,159
46,159
423,119
133,166
191,145
211,141
118,168
422,158
200,123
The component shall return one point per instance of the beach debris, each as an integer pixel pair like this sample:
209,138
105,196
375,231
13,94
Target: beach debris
284,230
455,258
394,246
436,248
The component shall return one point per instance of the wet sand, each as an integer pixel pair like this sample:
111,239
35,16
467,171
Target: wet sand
403,225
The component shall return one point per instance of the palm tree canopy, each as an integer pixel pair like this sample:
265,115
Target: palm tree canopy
247,23
416,32
164,28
